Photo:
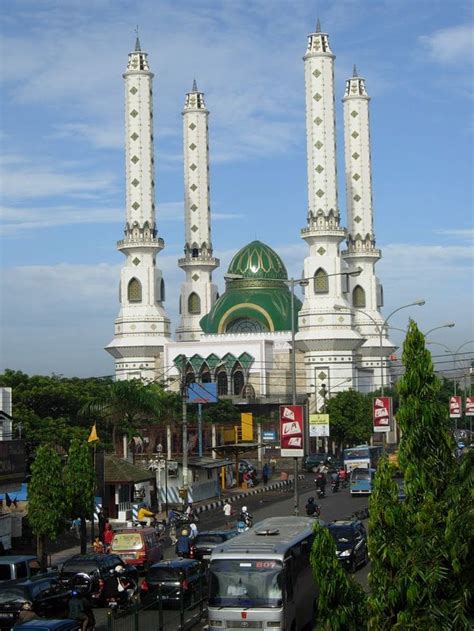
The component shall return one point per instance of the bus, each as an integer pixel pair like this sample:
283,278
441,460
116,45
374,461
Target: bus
362,456
361,481
262,578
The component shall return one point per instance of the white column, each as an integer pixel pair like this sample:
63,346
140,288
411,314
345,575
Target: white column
198,293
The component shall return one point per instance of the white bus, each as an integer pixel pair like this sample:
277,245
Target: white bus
262,578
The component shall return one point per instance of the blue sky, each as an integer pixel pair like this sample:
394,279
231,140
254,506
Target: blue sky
62,163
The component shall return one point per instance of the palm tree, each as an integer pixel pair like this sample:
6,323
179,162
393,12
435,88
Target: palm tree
126,403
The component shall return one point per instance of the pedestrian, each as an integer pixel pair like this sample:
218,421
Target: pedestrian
108,536
98,546
101,521
265,472
227,508
76,526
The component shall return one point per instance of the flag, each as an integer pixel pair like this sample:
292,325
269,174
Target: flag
8,500
93,435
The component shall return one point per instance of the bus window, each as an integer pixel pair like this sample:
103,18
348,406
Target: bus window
253,583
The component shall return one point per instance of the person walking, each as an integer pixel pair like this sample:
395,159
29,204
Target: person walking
108,536
265,472
227,509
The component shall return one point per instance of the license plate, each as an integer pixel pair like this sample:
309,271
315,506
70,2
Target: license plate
6,615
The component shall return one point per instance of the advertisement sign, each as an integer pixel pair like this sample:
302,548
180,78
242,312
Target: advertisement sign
318,425
469,409
269,435
382,413
202,393
455,407
291,431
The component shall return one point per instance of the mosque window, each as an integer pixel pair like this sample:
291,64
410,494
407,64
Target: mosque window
190,376
134,290
180,305
238,382
195,253
194,304
358,297
162,290
321,283
222,384
205,375
245,325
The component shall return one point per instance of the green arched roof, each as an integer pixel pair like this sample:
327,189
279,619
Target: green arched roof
259,295
258,260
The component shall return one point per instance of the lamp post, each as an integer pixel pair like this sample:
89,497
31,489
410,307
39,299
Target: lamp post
325,394
380,328
303,281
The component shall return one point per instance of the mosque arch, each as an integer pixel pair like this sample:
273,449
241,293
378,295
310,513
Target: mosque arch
358,297
134,290
190,375
205,374
222,382
321,281
238,380
194,304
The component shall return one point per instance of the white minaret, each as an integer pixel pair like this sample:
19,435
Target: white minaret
142,327
324,334
198,293
366,292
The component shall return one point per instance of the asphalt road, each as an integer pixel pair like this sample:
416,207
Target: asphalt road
268,504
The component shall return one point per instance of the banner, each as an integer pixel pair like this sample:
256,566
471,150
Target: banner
291,431
318,425
382,413
455,407
469,408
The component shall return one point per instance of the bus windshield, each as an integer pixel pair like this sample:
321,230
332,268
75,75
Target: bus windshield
356,453
249,583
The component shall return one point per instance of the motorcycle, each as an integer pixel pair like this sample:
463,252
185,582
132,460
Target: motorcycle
125,594
321,491
158,525
334,486
244,523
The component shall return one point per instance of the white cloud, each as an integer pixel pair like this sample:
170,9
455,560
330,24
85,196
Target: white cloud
462,233
452,45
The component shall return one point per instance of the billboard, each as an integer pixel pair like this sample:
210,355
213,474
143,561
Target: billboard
318,425
469,409
202,393
291,431
455,407
382,413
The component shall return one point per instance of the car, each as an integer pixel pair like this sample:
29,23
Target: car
140,547
46,594
48,624
99,569
175,579
207,540
350,538
18,567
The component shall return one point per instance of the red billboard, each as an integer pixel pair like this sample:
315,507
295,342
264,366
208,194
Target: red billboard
291,431
469,409
382,413
455,407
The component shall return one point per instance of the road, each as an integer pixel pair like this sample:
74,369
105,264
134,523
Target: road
268,504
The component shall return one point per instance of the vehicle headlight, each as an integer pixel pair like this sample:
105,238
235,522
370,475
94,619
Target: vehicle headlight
345,553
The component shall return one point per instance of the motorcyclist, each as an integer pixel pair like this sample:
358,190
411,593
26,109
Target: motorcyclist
321,483
335,480
125,586
144,514
79,609
311,507
246,517
183,544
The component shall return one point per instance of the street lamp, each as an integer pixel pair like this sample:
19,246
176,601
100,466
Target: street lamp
454,355
380,328
448,325
303,281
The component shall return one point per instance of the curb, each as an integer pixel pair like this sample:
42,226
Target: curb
238,496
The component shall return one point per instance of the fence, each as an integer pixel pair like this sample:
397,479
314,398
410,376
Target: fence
188,610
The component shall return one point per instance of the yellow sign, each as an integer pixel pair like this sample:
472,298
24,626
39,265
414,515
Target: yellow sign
318,425
246,420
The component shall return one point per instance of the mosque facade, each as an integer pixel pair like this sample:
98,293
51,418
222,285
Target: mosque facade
242,340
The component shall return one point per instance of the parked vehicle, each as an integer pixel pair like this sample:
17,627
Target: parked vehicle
46,595
361,481
48,624
206,541
350,538
266,573
137,546
18,567
100,570
175,579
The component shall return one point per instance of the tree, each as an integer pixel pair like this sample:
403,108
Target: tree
46,503
420,577
79,485
350,413
341,604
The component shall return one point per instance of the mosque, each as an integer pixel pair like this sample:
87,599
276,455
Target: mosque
242,339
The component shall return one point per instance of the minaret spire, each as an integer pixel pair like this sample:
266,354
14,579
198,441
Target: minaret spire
198,293
318,26
354,71
137,41
142,327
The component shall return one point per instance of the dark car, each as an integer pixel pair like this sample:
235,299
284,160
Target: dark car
45,624
350,538
99,569
178,578
18,567
206,541
47,596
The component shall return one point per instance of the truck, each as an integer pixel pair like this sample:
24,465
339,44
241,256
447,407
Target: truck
18,567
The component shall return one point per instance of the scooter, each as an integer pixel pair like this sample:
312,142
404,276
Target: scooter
321,492
334,486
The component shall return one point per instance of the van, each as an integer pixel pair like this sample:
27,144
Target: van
137,546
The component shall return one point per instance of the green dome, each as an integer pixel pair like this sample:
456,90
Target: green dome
258,260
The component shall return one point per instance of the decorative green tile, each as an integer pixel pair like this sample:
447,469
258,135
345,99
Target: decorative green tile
135,182
135,159
357,219
193,167
316,73
134,136
193,187
355,134
321,251
318,120
357,198
195,277
192,146
136,261
354,114
134,113
192,126
136,205
194,228
319,193
317,97
318,144
356,177
194,207
355,155
133,90
319,168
